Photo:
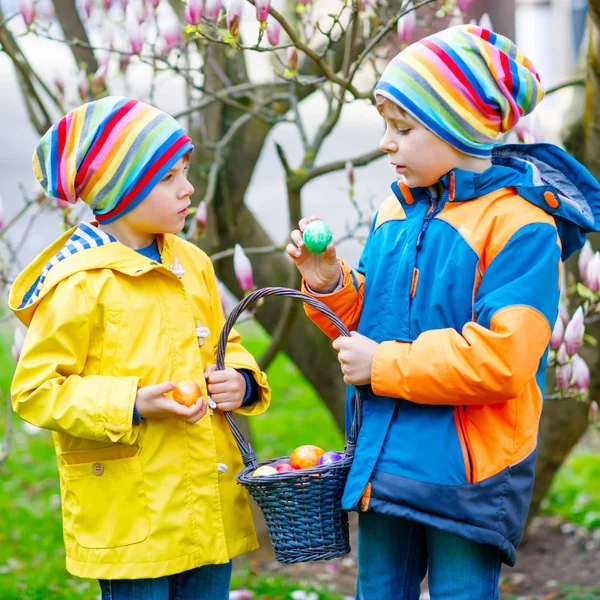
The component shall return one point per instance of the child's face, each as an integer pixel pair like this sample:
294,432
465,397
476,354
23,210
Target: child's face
420,157
164,209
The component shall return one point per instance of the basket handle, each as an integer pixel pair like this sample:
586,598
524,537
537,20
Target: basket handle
245,448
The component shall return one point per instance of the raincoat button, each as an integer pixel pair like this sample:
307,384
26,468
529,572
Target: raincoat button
222,468
98,468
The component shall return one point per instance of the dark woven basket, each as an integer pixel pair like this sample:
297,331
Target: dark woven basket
303,509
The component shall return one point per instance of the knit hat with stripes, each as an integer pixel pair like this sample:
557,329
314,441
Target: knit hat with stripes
466,84
110,153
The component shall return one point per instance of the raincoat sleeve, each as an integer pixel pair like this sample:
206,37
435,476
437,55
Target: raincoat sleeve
48,389
236,356
496,354
345,302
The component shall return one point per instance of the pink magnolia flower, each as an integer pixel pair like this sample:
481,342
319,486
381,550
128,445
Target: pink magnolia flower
193,12
201,216
242,268
63,204
124,4
562,357
485,22
262,10
234,13
563,313
292,59
574,332
17,345
585,256
241,595
85,8
212,8
83,85
557,334
107,4
273,31
581,373
45,10
27,10
593,412
563,376
592,274
407,24
170,35
350,172
134,33
59,83
463,4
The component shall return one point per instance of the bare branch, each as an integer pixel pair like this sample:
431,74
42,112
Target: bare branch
338,165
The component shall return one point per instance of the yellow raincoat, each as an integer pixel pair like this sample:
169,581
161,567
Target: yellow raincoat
141,500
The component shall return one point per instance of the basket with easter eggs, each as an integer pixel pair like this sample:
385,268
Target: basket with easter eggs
300,495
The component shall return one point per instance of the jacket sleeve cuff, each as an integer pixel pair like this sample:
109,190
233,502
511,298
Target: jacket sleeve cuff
388,372
120,403
251,395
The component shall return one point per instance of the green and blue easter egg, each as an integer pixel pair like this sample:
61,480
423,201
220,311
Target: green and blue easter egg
317,236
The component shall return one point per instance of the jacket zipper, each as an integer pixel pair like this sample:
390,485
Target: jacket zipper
461,411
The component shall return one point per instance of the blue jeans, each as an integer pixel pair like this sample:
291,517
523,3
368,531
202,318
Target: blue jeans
394,554
203,583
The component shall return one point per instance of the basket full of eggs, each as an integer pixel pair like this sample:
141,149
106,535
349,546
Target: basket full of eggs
301,495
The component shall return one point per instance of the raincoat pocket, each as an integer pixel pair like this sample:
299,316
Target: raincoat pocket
96,493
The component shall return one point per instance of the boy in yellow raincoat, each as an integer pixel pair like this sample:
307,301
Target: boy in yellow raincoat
117,311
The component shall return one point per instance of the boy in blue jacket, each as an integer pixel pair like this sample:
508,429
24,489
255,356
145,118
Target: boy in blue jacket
451,309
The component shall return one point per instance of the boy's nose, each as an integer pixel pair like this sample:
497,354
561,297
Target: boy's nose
388,145
187,190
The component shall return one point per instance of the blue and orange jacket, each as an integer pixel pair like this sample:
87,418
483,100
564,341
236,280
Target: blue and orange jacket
461,292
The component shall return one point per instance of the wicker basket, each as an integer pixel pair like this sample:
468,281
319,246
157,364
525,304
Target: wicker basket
303,509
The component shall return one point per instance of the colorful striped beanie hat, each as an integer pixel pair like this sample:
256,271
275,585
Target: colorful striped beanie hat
110,153
466,84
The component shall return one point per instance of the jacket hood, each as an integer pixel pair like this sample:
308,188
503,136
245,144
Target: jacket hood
82,248
542,174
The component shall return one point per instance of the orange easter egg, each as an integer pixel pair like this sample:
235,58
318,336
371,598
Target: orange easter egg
305,457
186,392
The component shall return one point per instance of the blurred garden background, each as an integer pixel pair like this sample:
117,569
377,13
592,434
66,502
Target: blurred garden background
283,127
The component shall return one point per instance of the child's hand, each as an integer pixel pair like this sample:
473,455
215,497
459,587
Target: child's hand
226,388
151,403
356,356
320,271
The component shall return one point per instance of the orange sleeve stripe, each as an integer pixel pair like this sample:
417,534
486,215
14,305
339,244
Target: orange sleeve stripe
345,303
390,210
480,366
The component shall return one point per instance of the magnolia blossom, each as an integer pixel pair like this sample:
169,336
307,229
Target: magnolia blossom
27,10
593,412
83,85
45,10
85,8
17,345
107,4
212,8
135,36
562,358
273,31
242,268
563,312
581,373
63,204
234,13
201,216
463,4
485,22
262,10
407,24
557,334
124,4
193,12
292,59
592,273
59,83
563,376
350,172
574,332
585,256
170,34
241,595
